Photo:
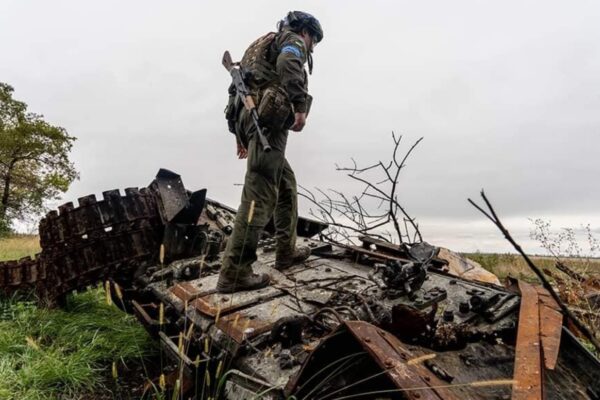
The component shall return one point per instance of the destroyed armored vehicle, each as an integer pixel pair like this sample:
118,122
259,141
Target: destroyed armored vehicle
377,321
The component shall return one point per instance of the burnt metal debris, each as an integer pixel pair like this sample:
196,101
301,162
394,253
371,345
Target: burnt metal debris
377,321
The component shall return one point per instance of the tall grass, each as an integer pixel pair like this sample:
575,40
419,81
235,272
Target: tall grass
63,354
68,353
503,265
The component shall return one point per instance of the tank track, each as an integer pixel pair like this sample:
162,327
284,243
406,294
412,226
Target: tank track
117,238
100,239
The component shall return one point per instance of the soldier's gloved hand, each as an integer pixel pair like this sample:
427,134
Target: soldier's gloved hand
299,122
242,152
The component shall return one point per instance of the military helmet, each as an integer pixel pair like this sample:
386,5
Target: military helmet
298,20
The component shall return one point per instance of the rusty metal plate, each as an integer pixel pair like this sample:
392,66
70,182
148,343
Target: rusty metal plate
218,303
188,291
214,303
391,355
141,312
170,295
528,364
551,320
253,321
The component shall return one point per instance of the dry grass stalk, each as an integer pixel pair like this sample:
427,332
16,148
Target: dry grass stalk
420,359
218,314
32,343
498,382
219,369
107,292
118,291
161,254
251,211
190,332
162,384
180,343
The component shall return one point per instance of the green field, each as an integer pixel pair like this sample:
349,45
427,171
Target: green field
15,247
67,353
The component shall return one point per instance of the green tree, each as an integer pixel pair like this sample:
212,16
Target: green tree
34,160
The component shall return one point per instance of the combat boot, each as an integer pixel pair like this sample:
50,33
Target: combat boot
286,261
251,281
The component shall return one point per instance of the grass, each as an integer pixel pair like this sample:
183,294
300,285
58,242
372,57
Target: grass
17,246
513,265
64,353
57,354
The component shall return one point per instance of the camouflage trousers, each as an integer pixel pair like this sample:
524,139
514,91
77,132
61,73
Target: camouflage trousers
269,190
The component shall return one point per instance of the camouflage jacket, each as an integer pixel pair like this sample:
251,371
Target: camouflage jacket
291,55
279,58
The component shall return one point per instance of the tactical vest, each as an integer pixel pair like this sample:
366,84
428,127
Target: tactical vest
256,62
259,72
274,108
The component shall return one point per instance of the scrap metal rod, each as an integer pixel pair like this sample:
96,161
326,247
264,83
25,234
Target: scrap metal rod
494,218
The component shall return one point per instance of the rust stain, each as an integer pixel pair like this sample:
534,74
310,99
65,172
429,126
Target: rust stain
390,354
186,291
241,327
551,320
213,303
528,364
208,306
140,311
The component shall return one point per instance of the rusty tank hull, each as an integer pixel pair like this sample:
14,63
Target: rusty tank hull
374,321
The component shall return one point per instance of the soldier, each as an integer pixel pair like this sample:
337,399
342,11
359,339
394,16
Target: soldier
275,74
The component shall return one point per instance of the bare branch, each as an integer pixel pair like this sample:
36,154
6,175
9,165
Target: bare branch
353,213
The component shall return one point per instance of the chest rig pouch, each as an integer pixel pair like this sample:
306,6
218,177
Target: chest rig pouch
233,108
275,108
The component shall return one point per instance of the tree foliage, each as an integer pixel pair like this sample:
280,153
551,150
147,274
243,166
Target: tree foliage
34,160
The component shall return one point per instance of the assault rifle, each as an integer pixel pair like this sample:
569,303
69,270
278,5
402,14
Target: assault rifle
242,91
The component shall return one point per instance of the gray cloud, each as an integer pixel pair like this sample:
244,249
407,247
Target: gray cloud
505,94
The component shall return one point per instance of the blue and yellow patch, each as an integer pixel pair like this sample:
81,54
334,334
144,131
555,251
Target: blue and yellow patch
292,50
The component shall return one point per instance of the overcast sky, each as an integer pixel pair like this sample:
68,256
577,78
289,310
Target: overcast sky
506,94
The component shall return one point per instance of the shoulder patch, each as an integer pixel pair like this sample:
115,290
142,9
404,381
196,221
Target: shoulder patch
292,49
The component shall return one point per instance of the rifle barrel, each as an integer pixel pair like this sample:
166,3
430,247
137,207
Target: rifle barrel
244,93
248,101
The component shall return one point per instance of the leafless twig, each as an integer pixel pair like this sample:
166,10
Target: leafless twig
350,216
